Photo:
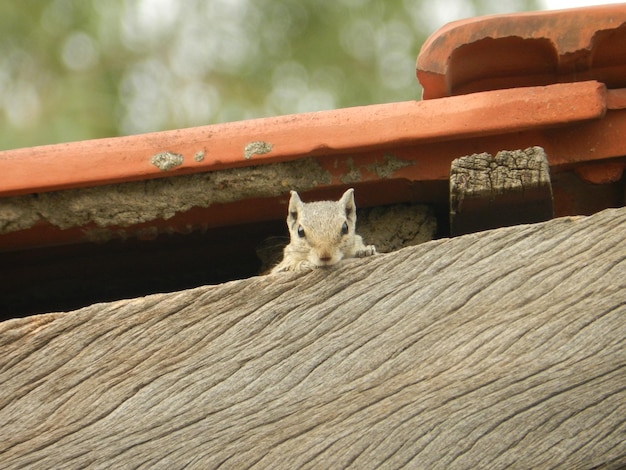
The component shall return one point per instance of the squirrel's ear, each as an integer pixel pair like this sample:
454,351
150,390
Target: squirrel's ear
294,205
347,201
295,199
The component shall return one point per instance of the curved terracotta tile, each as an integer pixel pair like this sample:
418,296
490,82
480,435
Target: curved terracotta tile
525,49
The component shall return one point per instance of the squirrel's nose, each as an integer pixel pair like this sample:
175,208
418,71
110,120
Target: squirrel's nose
325,257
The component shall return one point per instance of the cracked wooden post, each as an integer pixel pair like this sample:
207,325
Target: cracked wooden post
511,188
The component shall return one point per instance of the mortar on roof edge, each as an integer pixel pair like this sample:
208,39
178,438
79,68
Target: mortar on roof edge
123,205
127,204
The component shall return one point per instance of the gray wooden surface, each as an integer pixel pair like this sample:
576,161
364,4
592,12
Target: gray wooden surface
493,350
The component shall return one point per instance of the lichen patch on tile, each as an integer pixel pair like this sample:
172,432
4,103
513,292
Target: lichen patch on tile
165,161
257,147
382,170
390,164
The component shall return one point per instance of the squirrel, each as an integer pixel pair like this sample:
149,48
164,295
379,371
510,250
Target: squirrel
322,233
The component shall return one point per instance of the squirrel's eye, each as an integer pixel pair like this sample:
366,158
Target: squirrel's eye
344,228
300,231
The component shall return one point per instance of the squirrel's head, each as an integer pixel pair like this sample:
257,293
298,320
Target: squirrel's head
322,230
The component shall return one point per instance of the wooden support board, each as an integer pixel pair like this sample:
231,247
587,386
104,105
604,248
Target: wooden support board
498,349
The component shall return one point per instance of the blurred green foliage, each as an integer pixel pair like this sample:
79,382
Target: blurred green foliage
83,69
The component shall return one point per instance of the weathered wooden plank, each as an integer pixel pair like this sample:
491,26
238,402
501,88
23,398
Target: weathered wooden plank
503,348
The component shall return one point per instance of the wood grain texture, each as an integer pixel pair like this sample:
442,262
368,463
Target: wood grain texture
492,350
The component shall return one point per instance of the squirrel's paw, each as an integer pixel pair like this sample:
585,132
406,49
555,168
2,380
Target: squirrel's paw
369,250
287,266
305,266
